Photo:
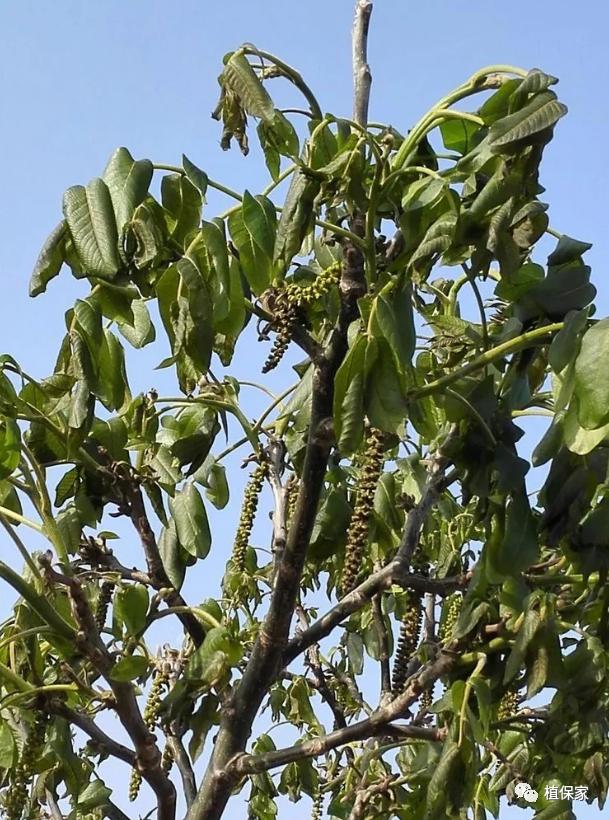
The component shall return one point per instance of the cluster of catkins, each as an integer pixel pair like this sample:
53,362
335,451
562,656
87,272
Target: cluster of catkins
16,796
248,513
287,303
357,537
151,713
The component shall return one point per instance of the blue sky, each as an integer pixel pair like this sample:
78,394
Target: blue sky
77,79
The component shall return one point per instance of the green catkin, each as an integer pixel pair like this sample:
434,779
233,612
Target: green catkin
151,713
317,808
426,700
167,759
288,302
248,513
357,537
103,602
408,640
16,797
508,704
453,609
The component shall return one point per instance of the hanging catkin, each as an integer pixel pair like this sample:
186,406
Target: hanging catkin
151,712
408,639
248,513
17,794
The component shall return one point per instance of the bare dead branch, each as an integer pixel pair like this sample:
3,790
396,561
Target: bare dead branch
362,76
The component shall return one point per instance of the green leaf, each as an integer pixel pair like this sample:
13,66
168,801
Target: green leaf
253,229
112,389
213,477
183,203
385,389
519,547
565,345
95,794
458,135
90,218
528,630
193,326
66,486
141,332
173,556
195,175
131,607
539,114
192,527
579,440
50,259
447,771
229,328
567,250
296,220
10,447
128,181
242,80
592,377
349,399
391,317
129,668
111,434
218,652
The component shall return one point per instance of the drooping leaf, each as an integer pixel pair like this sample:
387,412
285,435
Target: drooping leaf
253,235
183,203
349,399
131,607
192,527
90,218
128,181
195,175
592,377
50,259
243,81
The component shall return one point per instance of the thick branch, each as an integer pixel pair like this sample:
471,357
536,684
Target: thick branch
266,660
88,641
362,77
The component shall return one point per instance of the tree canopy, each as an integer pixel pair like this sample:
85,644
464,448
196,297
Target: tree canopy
410,555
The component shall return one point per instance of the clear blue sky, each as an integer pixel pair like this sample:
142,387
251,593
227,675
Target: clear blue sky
79,78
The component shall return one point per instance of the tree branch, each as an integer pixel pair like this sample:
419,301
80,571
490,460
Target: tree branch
379,723
101,740
362,76
88,641
184,766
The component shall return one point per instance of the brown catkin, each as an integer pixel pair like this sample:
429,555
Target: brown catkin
103,602
357,537
408,640
151,713
426,700
248,513
285,318
17,794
